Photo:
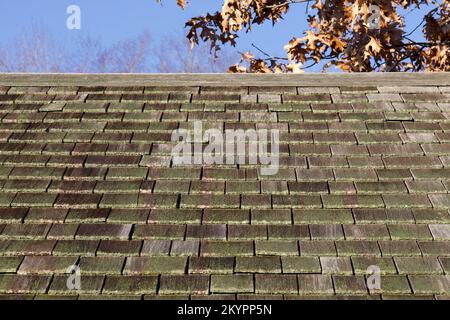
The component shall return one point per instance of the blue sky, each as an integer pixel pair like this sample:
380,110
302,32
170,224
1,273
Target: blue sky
112,21
119,19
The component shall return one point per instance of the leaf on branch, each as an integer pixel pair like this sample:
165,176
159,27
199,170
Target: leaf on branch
237,69
373,48
353,35
182,3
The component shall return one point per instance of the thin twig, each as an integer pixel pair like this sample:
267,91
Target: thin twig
286,3
269,57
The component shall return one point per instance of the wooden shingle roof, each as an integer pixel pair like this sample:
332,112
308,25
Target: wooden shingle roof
88,181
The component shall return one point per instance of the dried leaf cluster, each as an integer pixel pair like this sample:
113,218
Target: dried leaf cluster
353,35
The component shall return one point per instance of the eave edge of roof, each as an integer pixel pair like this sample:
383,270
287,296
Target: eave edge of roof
309,79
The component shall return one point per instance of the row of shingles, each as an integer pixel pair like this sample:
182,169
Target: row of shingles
240,89
66,246
396,94
90,89
249,188
225,282
156,245
161,94
357,97
136,93
372,122
400,235
63,245
269,94
413,264
397,249
45,265
231,216
183,284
